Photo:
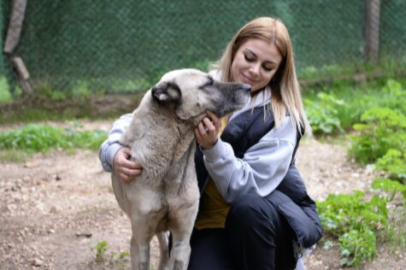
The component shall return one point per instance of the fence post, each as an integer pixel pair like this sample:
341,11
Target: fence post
12,39
371,38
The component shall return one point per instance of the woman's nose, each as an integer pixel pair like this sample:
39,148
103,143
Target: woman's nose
254,69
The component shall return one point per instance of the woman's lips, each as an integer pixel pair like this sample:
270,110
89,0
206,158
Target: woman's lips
248,80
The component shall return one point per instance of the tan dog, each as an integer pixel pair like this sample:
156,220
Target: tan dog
161,137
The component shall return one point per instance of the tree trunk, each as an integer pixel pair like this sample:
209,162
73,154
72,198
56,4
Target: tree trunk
371,38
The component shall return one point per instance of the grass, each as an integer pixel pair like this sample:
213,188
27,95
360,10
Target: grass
386,68
42,138
119,260
14,155
396,232
357,98
19,144
93,107
5,96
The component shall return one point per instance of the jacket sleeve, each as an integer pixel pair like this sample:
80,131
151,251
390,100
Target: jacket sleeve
262,168
109,147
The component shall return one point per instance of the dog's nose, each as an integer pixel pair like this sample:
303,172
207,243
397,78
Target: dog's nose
246,87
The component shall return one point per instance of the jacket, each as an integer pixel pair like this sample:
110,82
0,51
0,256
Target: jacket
290,196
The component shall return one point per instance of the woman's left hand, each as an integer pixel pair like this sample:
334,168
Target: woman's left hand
207,131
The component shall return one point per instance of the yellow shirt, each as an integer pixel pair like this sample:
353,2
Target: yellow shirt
214,209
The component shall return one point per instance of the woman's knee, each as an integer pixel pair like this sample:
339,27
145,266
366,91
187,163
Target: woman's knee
250,210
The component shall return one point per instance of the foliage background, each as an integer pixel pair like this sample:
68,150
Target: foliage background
125,45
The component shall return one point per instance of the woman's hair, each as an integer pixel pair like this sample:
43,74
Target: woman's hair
284,86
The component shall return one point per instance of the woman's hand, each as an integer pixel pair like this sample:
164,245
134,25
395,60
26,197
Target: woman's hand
125,169
207,131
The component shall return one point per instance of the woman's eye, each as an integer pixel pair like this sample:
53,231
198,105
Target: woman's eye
267,68
248,59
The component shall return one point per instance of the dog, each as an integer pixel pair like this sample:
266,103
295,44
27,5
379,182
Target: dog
165,197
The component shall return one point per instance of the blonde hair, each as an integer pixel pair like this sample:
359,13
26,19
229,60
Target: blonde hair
284,86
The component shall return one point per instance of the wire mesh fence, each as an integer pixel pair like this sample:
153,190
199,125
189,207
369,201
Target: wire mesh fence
125,45
393,29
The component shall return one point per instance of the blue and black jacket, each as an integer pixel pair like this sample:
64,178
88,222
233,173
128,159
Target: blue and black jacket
290,196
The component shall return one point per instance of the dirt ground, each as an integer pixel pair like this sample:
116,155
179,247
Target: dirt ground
55,208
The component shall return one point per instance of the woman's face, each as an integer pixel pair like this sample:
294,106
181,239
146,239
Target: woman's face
255,63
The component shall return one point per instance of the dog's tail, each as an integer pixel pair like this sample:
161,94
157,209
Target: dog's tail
163,239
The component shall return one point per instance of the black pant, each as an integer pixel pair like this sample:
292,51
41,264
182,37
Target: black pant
256,237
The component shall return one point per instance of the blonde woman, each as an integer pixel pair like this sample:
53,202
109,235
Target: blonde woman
254,211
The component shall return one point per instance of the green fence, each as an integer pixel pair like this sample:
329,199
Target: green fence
125,45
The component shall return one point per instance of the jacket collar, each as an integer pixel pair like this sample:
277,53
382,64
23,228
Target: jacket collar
263,98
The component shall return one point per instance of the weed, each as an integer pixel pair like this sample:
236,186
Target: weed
322,114
392,188
355,222
395,231
393,163
14,155
381,130
41,138
357,245
120,259
101,248
357,99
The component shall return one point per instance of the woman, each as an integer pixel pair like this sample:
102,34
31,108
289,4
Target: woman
254,212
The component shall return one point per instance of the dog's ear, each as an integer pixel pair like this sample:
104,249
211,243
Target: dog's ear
165,92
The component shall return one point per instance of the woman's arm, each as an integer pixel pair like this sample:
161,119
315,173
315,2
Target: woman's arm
110,147
260,171
114,156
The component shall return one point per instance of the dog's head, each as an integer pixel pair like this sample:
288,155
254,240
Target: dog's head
191,92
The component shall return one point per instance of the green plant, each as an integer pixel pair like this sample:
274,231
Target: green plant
101,248
361,97
395,232
322,113
391,187
41,138
394,163
5,95
383,129
394,96
357,246
355,222
120,259
13,155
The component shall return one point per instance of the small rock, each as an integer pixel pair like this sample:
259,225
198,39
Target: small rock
87,235
36,262
11,207
53,210
32,164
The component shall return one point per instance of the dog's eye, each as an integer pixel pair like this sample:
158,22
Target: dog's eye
209,82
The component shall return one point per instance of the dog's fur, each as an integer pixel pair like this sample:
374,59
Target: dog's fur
161,138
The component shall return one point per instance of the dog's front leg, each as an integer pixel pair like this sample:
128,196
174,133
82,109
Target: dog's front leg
163,250
180,253
181,229
140,247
